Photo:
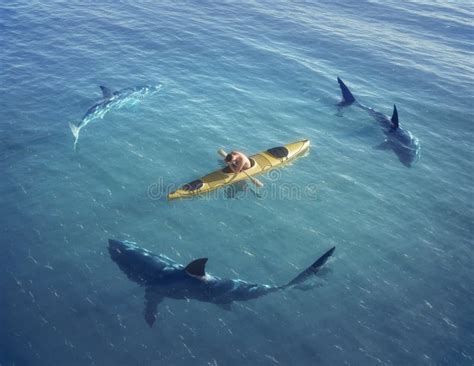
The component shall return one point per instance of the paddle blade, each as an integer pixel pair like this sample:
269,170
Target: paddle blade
257,182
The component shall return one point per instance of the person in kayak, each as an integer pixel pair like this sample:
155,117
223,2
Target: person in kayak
237,161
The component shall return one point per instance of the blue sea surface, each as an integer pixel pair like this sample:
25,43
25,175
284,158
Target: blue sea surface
248,76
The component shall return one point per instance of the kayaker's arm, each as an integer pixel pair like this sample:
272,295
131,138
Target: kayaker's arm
238,169
233,168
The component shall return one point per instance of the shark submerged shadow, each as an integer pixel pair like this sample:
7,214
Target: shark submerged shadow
111,100
162,277
405,146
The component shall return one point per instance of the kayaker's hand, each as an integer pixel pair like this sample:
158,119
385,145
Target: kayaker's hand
234,168
240,166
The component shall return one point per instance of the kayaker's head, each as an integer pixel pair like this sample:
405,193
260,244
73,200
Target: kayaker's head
229,157
237,161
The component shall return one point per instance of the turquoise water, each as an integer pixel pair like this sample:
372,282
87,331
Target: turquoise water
246,76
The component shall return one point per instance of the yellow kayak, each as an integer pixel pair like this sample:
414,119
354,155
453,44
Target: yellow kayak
261,163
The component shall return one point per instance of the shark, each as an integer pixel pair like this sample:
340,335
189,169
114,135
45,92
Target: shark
163,278
397,139
111,100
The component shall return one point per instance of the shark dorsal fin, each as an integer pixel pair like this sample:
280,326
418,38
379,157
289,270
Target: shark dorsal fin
197,267
347,97
394,118
106,92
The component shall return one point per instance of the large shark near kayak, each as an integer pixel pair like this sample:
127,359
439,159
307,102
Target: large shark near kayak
164,278
110,100
399,140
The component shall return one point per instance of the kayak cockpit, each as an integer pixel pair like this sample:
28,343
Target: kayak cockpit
227,169
279,152
195,184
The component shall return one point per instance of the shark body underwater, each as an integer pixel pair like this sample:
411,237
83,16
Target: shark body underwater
399,140
111,99
162,277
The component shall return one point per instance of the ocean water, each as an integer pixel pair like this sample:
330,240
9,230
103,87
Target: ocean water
249,76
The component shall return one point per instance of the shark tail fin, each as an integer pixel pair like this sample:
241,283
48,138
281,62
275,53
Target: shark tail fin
394,118
75,131
311,270
347,97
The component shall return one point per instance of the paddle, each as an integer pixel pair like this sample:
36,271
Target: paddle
255,181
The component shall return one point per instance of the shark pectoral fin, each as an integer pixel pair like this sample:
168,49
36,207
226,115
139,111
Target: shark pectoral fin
197,267
106,92
383,146
225,306
152,299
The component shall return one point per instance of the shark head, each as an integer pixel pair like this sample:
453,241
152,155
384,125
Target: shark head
406,147
140,265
